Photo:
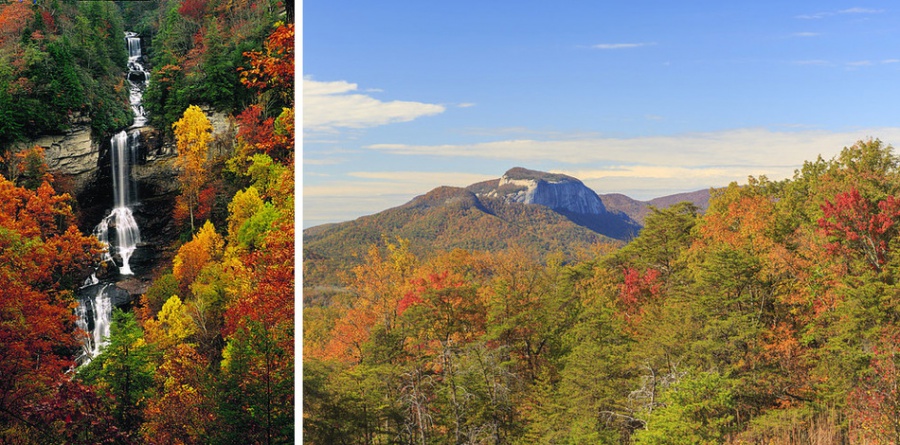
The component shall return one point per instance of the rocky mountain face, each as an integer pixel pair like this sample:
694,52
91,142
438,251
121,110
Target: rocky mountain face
564,195
558,192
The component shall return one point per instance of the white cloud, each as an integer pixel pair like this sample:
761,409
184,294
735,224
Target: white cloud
621,45
860,11
328,106
750,149
392,183
365,193
466,105
822,15
323,161
860,63
886,61
806,34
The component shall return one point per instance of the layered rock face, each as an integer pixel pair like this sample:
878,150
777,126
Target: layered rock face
559,192
73,154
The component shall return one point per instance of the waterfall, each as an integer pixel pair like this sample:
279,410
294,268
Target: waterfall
118,231
123,149
120,219
137,78
94,317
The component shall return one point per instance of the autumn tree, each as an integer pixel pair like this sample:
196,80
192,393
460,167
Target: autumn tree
861,226
185,410
205,247
257,385
193,133
42,257
274,69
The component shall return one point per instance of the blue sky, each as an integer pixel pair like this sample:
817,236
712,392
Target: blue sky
642,98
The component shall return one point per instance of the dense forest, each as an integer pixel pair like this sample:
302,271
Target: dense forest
770,318
206,355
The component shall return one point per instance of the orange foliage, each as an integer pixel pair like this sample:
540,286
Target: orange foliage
206,246
41,253
274,69
184,412
13,19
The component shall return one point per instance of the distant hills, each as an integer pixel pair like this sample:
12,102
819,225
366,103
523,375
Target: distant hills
543,212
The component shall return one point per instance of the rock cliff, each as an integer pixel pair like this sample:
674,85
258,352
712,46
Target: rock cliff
559,192
73,154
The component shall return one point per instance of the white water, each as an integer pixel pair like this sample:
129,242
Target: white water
123,147
120,220
94,316
94,312
137,78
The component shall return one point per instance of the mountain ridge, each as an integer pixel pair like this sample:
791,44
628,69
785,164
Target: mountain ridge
543,212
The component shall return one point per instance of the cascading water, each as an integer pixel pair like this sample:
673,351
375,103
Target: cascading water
95,307
137,78
123,147
94,314
120,219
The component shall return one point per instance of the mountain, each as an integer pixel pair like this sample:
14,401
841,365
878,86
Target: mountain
543,212
638,210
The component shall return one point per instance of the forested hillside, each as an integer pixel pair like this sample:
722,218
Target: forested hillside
771,318
60,60
206,354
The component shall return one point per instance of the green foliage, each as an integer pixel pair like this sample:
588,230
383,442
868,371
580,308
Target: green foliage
162,288
257,388
71,62
253,231
195,61
696,410
123,371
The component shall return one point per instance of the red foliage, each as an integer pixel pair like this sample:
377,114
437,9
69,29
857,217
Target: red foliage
192,9
854,224
13,19
255,129
49,23
638,289
876,401
272,300
75,414
40,250
410,299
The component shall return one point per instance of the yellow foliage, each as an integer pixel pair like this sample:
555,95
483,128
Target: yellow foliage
193,133
241,208
206,246
172,325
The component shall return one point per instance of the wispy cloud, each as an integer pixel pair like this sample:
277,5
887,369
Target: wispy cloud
323,161
806,34
329,106
859,63
753,149
621,45
466,105
824,14
860,11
